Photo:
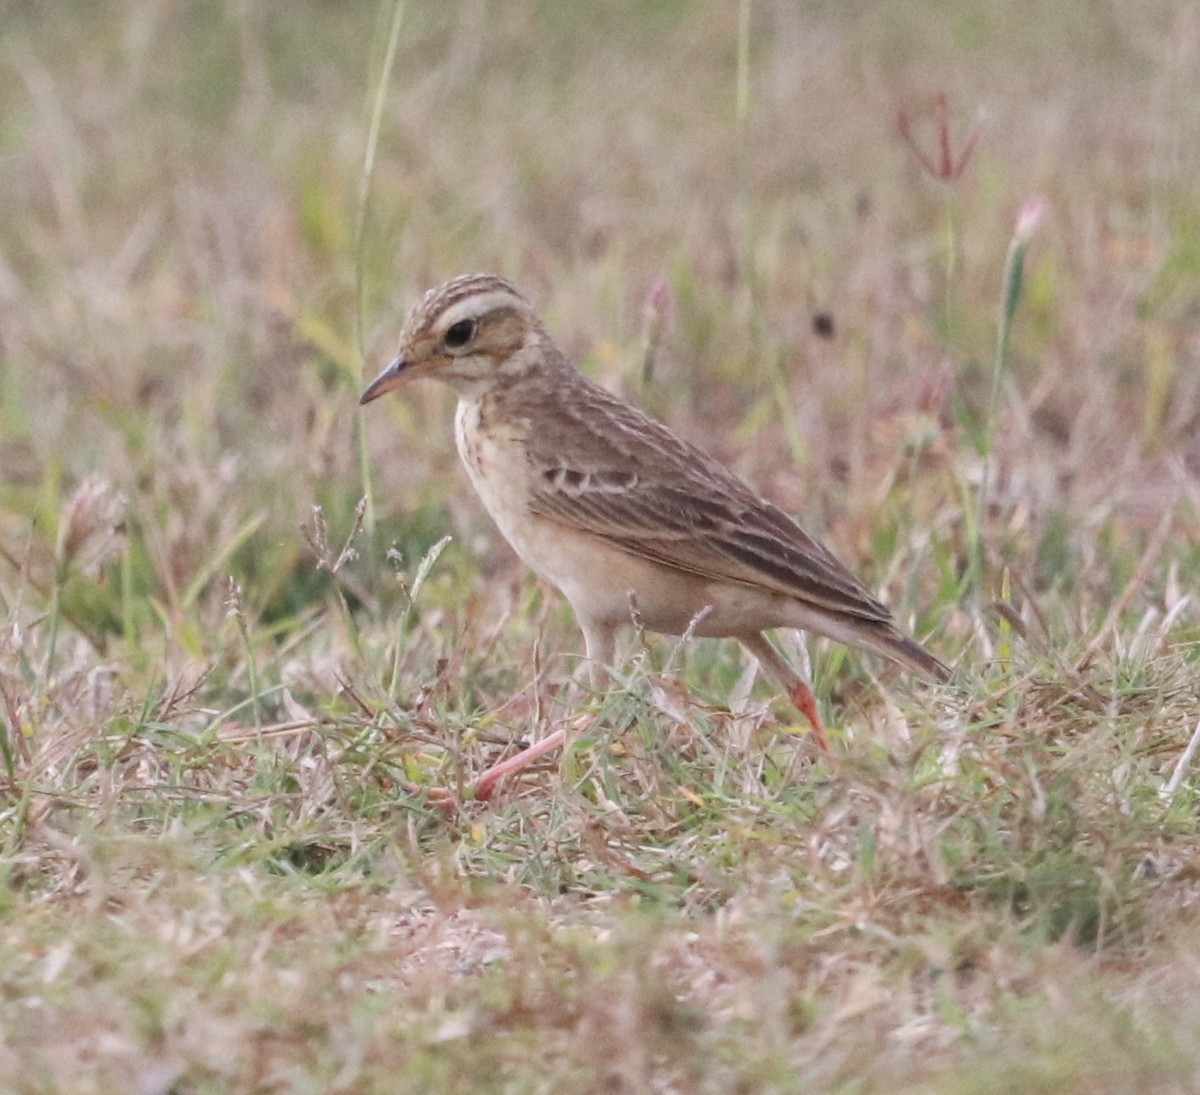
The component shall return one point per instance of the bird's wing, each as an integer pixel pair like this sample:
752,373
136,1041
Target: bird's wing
600,466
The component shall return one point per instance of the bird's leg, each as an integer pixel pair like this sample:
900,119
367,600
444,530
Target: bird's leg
487,782
806,703
560,738
796,687
601,641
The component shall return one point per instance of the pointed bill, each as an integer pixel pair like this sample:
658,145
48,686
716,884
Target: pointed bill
391,377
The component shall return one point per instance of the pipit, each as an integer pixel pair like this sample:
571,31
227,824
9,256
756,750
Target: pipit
618,512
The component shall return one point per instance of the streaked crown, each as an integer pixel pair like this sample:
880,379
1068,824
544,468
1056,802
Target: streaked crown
472,333
468,296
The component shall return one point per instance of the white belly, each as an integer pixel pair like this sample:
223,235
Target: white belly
594,577
500,474
598,578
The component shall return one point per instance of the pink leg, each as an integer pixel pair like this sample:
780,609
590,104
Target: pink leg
487,782
600,637
795,685
443,798
806,704
497,772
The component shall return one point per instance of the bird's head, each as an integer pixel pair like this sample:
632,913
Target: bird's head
469,332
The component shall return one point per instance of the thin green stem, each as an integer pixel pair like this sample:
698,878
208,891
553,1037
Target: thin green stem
951,297
742,124
364,194
54,619
239,616
423,570
1010,296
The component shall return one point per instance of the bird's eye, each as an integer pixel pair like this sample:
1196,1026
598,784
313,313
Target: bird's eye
459,334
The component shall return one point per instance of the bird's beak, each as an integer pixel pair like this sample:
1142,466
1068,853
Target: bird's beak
391,377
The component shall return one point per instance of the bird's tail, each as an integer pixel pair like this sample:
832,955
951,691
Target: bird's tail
894,644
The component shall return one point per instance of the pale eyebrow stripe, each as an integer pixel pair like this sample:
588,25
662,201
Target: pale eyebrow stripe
474,306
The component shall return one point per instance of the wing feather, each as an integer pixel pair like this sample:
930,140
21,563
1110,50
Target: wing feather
680,508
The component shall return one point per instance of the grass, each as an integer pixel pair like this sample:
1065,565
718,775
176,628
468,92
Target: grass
227,686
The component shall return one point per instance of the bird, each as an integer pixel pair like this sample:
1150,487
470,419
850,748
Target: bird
624,517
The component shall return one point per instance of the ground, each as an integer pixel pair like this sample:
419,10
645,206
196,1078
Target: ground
926,274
